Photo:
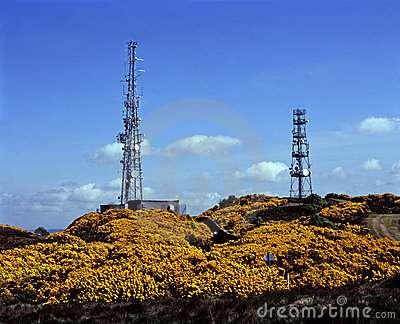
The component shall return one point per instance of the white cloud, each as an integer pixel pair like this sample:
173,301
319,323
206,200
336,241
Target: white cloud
339,172
86,193
372,165
148,191
200,200
264,171
376,125
201,145
239,174
38,207
56,205
115,183
147,149
113,152
396,168
5,198
108,153
61,196
56,195
196,145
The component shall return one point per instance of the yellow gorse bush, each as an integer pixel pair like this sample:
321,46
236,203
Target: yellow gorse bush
234,218
123,255
344,212
381,203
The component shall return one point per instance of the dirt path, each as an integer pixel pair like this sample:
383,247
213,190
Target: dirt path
385,225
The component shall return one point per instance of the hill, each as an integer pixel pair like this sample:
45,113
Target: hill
154,256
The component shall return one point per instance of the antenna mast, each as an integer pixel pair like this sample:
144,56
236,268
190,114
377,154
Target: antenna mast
131,137
300,170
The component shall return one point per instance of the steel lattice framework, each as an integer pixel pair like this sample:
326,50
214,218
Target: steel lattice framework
300,170
131,137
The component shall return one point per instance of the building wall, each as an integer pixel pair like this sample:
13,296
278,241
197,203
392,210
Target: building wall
154,204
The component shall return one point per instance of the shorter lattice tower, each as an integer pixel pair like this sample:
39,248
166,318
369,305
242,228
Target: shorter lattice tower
300,170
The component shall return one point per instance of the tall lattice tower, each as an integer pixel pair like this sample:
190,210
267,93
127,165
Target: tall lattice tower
131,137
300,170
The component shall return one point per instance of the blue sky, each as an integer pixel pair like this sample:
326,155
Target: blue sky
221,80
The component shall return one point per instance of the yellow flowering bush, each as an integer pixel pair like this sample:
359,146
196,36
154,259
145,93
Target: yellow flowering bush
234,218
122,255
319,257
345,212
12,236
379,203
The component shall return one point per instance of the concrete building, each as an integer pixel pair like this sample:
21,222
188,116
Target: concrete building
172,205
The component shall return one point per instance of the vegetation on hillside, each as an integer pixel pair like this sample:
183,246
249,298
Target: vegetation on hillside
122,256
345,212
233,214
